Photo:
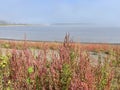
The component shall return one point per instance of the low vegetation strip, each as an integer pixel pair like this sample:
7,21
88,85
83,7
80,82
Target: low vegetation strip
68,67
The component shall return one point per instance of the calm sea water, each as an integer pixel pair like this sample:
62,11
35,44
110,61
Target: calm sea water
57,33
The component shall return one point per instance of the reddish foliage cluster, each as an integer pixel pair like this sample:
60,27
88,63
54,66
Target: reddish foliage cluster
66,68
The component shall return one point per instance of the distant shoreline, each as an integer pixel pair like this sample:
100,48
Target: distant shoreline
4,39
11,25
15,25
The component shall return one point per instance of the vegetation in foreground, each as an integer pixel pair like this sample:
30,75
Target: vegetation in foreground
68,67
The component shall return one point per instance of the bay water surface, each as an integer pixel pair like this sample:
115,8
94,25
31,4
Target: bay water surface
57,33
